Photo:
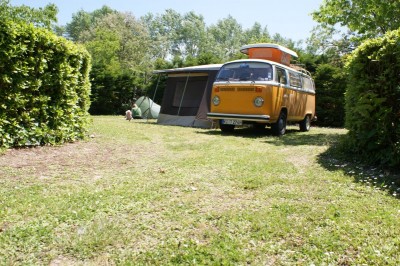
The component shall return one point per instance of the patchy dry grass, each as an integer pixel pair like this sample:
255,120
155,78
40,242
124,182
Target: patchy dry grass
140,193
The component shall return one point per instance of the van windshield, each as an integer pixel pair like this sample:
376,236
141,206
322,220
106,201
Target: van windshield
245,71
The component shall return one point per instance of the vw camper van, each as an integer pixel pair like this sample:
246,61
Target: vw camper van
264,90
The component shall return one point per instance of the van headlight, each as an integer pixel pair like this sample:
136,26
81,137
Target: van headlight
258,102
216,100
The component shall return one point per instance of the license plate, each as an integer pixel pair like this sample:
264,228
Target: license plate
232,122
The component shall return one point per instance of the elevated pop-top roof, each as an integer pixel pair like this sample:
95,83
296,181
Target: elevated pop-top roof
245,48
269,51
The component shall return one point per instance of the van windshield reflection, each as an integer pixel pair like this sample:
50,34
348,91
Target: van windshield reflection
245,71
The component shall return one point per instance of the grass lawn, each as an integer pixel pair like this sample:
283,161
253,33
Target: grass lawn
138,193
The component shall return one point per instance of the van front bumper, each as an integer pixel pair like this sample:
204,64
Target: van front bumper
255,118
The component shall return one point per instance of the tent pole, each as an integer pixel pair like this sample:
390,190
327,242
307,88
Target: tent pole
154,96
183,94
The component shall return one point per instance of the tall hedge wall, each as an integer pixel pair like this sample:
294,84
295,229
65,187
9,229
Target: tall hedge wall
372,101
44,87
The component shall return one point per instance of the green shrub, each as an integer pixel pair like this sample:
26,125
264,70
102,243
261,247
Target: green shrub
373,101
330,82
44,83
112,94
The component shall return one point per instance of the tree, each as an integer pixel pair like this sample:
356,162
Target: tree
287,42
257,34
40,17
367,18
227,37
192,35
118,44
163,30
83,21
174,34
345,24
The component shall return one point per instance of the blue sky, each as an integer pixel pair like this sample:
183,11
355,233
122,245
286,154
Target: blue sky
290,18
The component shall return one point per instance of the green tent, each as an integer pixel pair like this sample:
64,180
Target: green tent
150,109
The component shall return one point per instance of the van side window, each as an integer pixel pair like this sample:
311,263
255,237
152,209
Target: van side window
295,79
281,75
308,84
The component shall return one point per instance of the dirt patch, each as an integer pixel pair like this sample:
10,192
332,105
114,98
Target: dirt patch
92,158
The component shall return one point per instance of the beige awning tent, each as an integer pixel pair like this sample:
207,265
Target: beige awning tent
186,99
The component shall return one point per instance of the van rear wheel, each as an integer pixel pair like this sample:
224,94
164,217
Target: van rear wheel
305,124
279,128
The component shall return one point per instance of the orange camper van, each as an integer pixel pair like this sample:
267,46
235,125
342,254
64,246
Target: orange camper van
263,90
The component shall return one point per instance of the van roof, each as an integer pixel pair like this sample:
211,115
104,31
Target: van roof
245,48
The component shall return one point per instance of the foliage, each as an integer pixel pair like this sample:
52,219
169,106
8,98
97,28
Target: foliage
257,34
365,17
164,32
192,36
227,36
118,43
41,17
44,87
113,94
331,41
330,82
185,37
362,19
373,100
309,60
83,21
124,48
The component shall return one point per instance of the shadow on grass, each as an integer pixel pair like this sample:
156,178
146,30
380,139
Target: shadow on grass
293,136
334,159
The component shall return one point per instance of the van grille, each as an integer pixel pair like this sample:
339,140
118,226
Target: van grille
240,89
227,89
245,89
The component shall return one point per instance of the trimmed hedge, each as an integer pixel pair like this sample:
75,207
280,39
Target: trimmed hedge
44,87
372,101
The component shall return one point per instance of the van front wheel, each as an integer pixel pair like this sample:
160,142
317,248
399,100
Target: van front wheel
279,128
305,124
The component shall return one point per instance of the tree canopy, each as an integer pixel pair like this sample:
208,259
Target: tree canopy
344,24
45,17
83,21
367,18
120,42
